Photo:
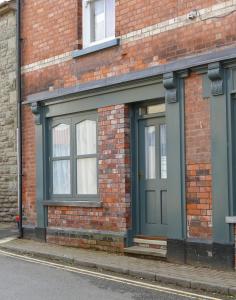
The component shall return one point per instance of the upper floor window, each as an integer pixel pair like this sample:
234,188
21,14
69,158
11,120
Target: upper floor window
98,21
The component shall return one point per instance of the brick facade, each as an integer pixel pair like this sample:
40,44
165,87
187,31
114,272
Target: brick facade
151,35
198,160
114,186
8,119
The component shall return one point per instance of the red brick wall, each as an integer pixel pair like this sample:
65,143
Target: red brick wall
55,31
50,28
198,160
29,168
114,179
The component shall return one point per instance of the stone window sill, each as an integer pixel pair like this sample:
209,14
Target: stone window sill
87,203
96,48
230,220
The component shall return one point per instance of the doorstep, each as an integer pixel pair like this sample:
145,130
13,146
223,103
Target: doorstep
154,248
142,251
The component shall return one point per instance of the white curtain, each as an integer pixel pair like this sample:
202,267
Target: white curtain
86,137
61,177
110,18
163,151
86,133
61,140
87,176
61,168
99,19
150,157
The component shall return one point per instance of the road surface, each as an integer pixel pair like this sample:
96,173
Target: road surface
24,278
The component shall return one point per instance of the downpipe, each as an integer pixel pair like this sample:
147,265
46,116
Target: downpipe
19,118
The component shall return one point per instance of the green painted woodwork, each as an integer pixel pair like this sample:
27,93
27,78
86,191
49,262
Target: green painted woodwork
175,168
152,189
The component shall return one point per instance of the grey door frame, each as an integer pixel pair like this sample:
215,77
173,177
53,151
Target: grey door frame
135,155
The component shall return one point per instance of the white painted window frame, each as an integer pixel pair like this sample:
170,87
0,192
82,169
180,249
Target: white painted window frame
87,23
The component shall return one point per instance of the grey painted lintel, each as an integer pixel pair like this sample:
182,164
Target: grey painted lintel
178,65
152,89
72,203
105,45
230,220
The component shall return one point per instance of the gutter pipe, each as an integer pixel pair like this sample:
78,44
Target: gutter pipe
19,117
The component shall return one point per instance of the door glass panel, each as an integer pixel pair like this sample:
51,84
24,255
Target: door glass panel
163,154
61,177
87,176
61,140
150,158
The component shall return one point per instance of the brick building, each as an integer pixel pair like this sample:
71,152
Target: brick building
8,113
129,126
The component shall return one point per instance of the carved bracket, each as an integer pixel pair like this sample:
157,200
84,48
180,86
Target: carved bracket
215,74
36,110
169,82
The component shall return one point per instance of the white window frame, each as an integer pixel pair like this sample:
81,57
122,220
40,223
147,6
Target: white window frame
87,23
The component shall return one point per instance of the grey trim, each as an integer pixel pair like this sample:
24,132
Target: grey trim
95,48
40,180
206,87
55,230
215,74
73,203
169,82
230,220
35,108
180,64
146,90
220,158
175,166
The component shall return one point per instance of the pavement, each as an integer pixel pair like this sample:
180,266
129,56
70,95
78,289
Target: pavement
8,230
185,276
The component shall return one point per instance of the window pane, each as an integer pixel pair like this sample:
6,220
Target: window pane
99,19
150,157
110,18
87,176
163,151
158,108
61,177
61,140
86,137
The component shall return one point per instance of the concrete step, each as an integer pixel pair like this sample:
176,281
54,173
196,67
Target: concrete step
143,251
150,242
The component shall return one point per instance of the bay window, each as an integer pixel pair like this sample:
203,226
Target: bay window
73,157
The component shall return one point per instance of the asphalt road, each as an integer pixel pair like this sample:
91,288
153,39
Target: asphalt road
23,278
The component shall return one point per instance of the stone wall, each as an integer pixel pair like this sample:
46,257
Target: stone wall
8,114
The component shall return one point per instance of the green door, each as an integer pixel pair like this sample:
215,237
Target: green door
152,177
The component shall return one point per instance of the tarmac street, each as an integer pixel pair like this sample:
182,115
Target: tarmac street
23,277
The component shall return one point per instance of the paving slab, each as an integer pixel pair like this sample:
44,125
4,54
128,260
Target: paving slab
198,278
8,230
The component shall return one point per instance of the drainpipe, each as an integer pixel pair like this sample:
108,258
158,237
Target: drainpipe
19,116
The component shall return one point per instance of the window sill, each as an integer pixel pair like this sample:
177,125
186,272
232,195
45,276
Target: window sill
96,48
88,203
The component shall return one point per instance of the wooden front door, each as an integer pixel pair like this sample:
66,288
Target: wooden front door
152,170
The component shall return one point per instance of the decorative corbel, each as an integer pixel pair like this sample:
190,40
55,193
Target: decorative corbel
215,74
170,85
36,110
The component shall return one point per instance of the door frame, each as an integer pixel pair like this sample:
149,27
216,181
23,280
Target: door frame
136,215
